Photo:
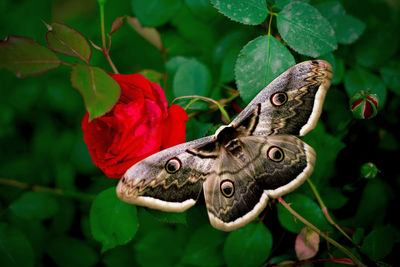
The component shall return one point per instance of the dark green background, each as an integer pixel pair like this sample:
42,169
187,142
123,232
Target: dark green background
41,143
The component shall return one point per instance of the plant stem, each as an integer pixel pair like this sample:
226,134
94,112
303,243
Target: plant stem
115,70
54,191
326,212
222,110
314,228
103,32
105,49
191,102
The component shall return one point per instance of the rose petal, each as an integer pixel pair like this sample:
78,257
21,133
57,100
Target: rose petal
174,127
132,85
160,98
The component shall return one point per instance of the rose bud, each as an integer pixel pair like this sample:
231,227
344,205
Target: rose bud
140,124
364,105
369,170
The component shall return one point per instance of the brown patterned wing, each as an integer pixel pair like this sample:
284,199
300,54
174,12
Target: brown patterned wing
249,171
290,104
170,180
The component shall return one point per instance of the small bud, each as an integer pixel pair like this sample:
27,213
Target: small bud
369,170
364,105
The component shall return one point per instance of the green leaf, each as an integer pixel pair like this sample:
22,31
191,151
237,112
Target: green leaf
374,200
251,12
174,63
172,66
331,9
112,221
282,3
168,217
347,28
327,147
379,243
65,40
67,251
377,47
202,9
259,62
360,79
334,198
307,208
226,52
119,257
35,231
305,30
63,220
232,39
34,205
338,71
391,76
196,129
24,57
338,113
358,235
151,35
176,45
192,78
204,247
194,30
248,246
15,249
161,246
228,65
98,89
155,12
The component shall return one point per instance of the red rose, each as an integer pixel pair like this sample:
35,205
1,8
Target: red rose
140,124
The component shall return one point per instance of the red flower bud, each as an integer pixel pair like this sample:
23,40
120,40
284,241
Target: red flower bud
140,124
364,105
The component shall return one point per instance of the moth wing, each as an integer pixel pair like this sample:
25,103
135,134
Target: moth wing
255,177
290,104
149,184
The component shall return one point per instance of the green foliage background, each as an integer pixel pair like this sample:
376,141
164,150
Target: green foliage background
56,207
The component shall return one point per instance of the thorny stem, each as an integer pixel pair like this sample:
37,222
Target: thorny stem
54,191
355,260
325,210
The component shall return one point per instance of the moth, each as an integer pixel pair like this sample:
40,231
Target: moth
254,158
